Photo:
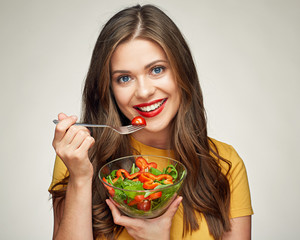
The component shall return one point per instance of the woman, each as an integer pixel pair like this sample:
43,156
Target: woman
141,65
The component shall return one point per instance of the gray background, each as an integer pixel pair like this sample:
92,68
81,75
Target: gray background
247,54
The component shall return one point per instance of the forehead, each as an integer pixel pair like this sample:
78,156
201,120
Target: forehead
136,52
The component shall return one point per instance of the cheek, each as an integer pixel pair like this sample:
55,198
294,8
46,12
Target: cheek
171,87
169,83
122,97
175,94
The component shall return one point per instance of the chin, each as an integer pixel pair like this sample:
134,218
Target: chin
156,129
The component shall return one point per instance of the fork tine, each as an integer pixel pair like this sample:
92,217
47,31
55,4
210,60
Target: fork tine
125,129
132,128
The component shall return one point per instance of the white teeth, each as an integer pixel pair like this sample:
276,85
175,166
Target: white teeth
151,107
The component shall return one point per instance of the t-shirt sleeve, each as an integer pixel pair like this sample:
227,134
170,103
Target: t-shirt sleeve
60,171
240,203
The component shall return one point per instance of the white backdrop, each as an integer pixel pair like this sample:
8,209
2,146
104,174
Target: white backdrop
247,54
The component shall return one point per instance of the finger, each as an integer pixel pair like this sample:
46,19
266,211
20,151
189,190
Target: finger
86,144
173,207
78,138
62,116
118,218
72,132
63,126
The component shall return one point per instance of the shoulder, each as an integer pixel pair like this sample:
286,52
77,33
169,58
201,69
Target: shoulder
229,153
224,150
240,203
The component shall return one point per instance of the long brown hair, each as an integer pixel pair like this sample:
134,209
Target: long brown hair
206,189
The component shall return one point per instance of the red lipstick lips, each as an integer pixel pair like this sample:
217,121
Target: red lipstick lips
150,109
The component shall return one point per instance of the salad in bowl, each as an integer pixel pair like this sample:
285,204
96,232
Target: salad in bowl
142,186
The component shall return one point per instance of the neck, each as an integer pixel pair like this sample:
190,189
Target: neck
159,140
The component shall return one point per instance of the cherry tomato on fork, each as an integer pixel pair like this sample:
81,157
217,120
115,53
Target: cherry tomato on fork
140,121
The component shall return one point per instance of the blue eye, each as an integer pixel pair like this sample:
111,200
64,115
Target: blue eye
157,70
124,79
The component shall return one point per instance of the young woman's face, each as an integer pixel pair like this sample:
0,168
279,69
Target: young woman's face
143,83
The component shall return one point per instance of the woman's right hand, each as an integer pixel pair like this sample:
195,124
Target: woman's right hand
71,143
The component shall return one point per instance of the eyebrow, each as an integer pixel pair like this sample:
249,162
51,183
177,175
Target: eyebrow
147,66
156,61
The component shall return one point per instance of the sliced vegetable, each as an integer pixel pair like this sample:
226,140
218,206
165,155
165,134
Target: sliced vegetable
171,170
143,165
127,175
149,178
111,191
143,175
144,205
154,196
134,169
155,171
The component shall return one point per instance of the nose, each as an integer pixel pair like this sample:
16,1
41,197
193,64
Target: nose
144,88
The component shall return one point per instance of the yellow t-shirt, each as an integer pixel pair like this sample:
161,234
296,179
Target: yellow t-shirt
240,203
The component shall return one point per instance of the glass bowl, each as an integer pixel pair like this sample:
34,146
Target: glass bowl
133,192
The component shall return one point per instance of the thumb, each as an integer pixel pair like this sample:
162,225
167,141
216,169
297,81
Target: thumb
62,116
173,207
120,219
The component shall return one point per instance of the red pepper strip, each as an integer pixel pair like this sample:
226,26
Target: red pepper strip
127,175
152,164
119,173
168,178
150,185
168,182
115,179
148,179
111,191
145,176
139,198
134,175
154,196
133,202
142,164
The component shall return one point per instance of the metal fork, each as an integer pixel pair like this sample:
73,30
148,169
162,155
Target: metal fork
121,130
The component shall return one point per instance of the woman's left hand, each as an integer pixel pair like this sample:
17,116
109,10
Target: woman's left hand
146,229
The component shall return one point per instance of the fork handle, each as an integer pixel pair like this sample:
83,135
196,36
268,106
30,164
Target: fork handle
83,124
